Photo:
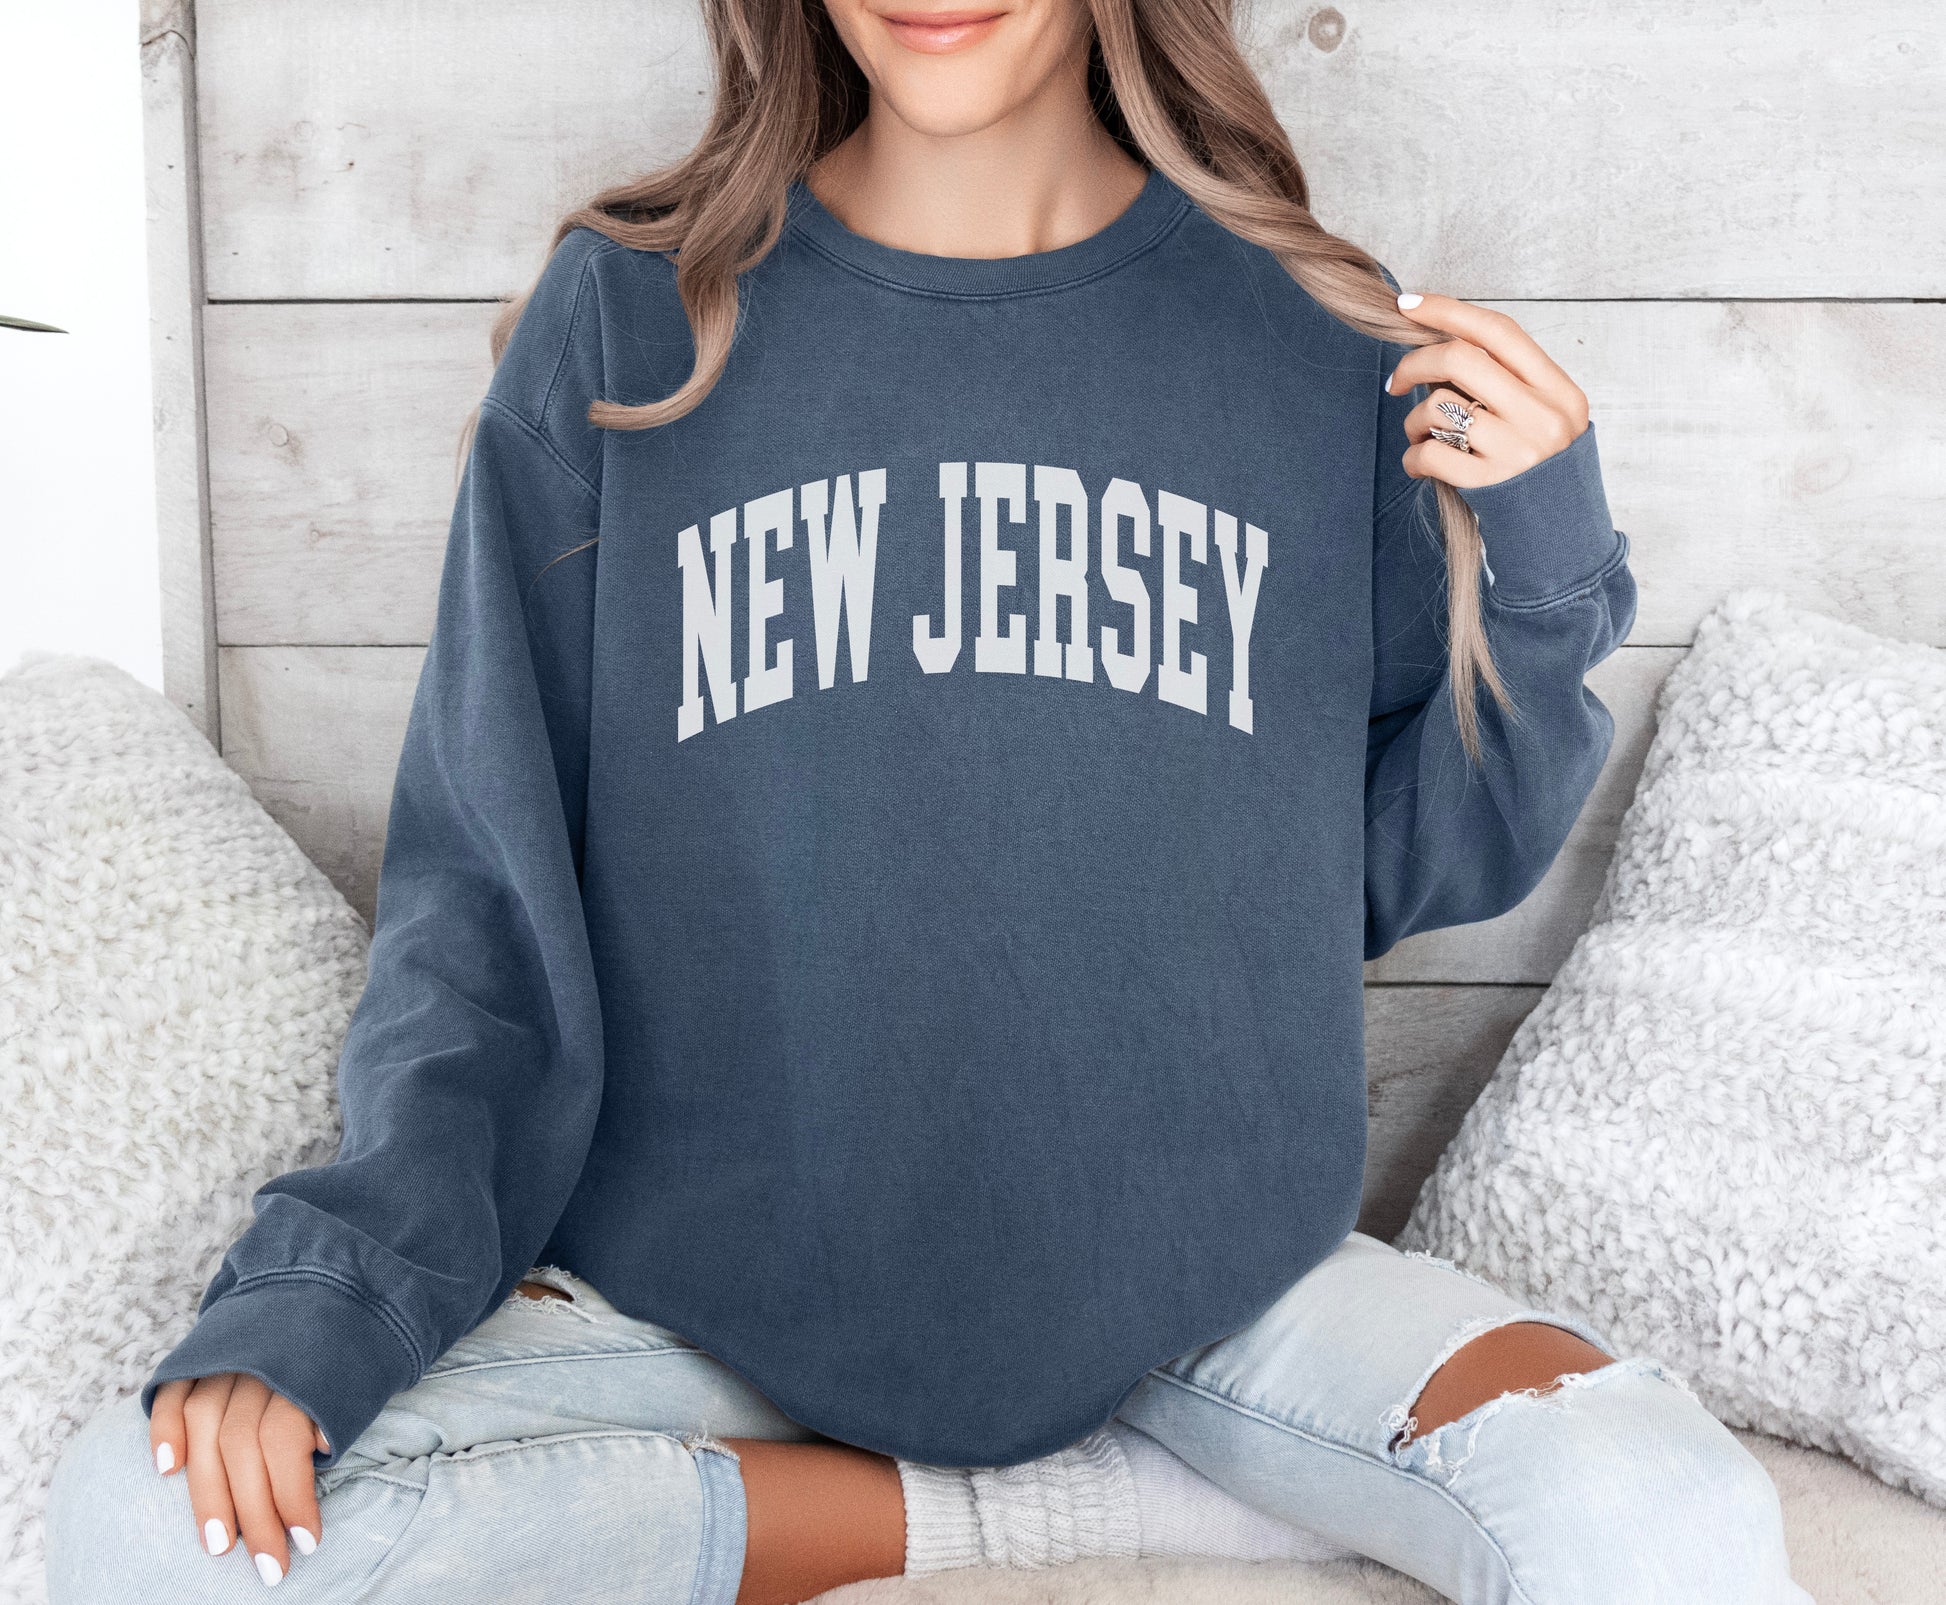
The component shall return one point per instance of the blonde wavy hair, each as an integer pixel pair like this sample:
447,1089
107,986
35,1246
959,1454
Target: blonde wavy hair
1168,82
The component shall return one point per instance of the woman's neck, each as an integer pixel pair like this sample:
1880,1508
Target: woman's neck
1045,176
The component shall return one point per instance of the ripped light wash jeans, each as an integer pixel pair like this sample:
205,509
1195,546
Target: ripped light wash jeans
565,1452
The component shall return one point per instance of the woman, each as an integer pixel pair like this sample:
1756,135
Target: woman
924,1074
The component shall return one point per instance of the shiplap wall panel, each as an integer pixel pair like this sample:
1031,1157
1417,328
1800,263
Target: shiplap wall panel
426,148
334,435
1532,148
175,274
316,731
1759,442
1428,1052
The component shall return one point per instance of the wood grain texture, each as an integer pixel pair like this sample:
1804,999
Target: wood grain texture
334,433
317,730
175,275
1428,1052
1748,443
1622,148
1534,148
427,148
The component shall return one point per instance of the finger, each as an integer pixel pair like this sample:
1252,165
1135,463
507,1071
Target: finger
288,1437
1502,337
166,1440
243,1460
1492,438
1429,458
1480,375
209,1488
1434,459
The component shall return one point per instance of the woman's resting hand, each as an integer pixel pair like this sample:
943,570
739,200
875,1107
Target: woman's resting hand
247,1454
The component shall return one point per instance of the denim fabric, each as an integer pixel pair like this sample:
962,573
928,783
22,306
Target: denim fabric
560,1451
564,1450
1618,1488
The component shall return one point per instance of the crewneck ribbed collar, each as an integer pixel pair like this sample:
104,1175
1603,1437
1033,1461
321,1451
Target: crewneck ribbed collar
1157,207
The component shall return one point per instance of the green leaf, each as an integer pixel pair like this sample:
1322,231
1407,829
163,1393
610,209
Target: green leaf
36,328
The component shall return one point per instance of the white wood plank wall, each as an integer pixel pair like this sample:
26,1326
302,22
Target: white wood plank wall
1727,221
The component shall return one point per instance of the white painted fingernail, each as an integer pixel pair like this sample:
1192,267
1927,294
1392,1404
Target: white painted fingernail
1408,299
1390,377
216,1537
302,1541
165,1458
269,1570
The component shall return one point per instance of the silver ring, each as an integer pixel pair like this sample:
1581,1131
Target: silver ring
1463,419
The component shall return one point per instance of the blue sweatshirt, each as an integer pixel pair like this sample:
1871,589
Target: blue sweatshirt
880,867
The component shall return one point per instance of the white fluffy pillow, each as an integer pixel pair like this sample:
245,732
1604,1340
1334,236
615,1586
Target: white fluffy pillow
1719,1135
176,979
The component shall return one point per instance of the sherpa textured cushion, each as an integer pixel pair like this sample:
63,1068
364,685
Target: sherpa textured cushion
176,979
1719,1135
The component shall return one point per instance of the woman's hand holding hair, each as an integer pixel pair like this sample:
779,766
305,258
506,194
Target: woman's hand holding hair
1528,408
247,1454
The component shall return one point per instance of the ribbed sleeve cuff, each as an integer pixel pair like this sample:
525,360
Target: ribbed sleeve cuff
1547,530
324,1345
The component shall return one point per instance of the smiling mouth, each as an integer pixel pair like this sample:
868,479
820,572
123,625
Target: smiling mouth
940,31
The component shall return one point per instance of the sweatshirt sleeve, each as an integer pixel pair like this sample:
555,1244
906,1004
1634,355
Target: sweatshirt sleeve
1448,842
471,1072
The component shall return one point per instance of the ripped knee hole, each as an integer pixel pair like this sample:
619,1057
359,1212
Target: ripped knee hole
1517,1357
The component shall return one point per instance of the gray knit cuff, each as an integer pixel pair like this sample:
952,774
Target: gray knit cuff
942,1529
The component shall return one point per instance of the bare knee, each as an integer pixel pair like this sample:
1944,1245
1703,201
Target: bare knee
1626,1463
1511,1358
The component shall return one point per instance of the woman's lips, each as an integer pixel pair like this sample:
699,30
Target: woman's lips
940,31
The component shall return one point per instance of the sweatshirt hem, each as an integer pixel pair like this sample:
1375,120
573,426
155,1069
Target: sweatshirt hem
826,1411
